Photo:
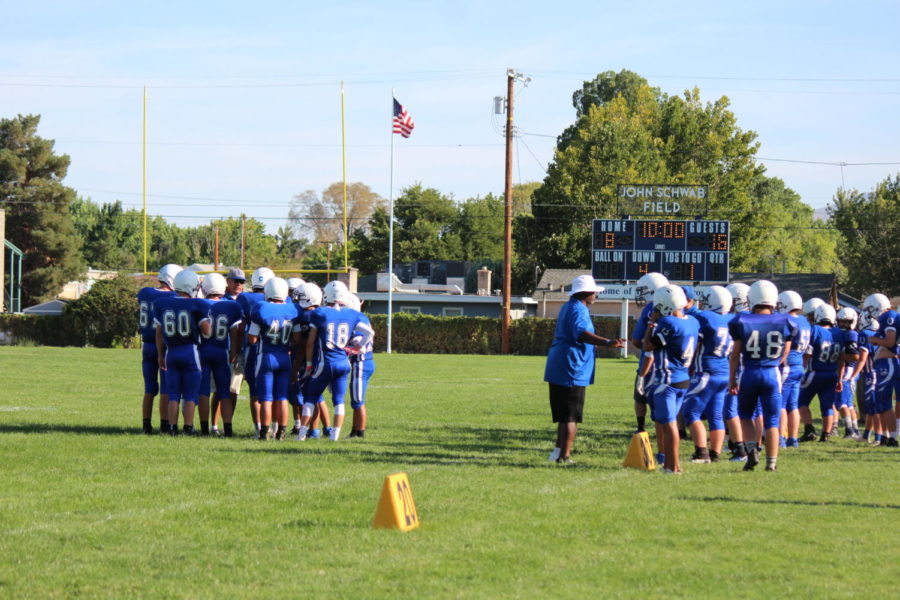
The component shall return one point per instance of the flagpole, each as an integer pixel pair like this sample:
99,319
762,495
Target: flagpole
391,235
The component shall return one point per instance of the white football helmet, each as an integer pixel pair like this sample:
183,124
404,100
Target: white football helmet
715,298
668,299
260,277
294,283
308,294
167,275
825,314
352,301
789,300
213,284
335,291
647,285
847,314
874,305
276,289
186,282
739,299
810,306
763,293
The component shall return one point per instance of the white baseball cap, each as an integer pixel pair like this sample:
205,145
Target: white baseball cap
585,283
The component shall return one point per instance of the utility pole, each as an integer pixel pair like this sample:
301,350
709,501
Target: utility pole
511,77
243,237
507,216
216,254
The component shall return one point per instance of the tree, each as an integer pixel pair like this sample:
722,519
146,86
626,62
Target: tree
870,249
37,208
480,228
322,219
426,227
106,314
628,132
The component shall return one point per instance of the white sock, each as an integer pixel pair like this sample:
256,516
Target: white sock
897,431
848,422
302,434
297,423
554,455
258,427
335,434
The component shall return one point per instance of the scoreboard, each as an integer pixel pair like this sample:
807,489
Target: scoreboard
625,249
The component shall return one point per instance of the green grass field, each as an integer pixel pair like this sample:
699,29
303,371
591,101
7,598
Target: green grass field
91,508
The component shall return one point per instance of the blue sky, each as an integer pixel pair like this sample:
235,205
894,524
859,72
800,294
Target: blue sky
244,99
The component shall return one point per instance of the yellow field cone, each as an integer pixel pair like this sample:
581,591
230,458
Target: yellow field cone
396,508
640,453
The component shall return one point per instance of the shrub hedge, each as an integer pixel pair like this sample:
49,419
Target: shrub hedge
426,334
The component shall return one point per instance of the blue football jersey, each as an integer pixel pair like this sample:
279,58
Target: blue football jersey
763,337
801,343
864,335
334,328
179,319
273,322
223,315
825,347
889,321
715,342
146,297
677,337
367,350
640,328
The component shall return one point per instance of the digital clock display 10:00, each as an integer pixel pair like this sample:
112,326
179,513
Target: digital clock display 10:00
625,249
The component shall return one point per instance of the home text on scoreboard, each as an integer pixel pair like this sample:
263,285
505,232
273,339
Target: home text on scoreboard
624,249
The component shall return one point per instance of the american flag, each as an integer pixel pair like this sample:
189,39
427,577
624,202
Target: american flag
403,123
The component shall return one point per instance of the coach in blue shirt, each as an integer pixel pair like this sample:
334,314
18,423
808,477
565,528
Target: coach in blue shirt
570,363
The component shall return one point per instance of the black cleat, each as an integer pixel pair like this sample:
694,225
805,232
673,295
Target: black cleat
701,456
752,460
809,436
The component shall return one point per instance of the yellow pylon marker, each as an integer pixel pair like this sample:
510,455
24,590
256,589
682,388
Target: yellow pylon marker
640,453
396,508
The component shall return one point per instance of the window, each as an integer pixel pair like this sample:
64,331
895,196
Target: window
413,310
453,311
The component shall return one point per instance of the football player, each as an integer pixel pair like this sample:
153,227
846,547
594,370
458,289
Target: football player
762,342
739,305
271,327
846,320
330,331
178,330
790,303
248,300
829,349
644,289
219,350
868,327
362,367
887,367
709,383
154,378
672,337
309,298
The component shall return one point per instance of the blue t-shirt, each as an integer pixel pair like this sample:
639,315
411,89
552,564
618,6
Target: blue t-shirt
763,337
570,362
179,319
223,316
273,322
677,339
715,341
146,297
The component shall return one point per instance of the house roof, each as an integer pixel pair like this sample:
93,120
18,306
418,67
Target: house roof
52,307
